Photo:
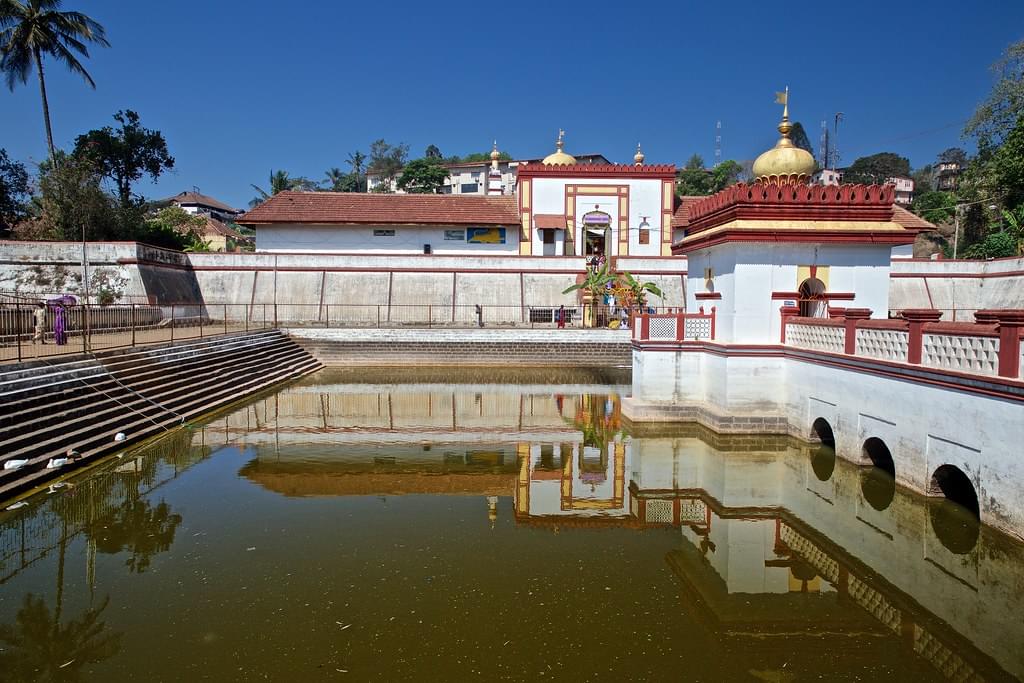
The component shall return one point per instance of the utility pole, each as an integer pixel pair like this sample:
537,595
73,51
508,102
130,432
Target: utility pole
85,288
835,140
956,230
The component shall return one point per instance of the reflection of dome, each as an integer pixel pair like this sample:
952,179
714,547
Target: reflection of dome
784,163
558,157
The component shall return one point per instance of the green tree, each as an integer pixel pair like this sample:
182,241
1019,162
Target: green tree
877,168
694,180
935,207
922,178
280,181
999,113
638,291
72,203
356,160
477,157
799,137
695,163
433,152
725,174
995,245
953,155
594,283
126,153
387,160
173,228
333,178
14,192
30,29
423,176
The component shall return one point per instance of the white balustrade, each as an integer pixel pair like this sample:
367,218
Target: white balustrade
884,344
963,353
818,337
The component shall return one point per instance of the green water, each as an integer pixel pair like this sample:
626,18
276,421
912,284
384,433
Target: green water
445,525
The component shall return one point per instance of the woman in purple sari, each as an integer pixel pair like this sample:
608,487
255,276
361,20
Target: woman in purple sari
59,305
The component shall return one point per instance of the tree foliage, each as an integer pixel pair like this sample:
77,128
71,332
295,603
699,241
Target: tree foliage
387,160
125,154
279,182
32,29
935,207
999,113
694,180
423,176
433,152
799,137
14,192
877,168
72,200
173,228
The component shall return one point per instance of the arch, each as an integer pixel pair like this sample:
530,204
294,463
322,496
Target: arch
950,482
812,301
954,511
878,482
823,456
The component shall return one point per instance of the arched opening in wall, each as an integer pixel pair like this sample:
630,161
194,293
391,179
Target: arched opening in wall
823,454
812,298
954,509
878,482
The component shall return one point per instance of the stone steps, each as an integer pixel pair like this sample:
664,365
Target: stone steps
49,408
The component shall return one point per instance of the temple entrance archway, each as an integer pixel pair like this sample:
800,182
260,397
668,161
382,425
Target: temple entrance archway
812,298
597,227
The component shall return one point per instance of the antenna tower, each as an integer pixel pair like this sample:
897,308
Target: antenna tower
718,143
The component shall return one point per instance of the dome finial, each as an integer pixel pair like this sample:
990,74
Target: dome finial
495,155
559,157
638,158
784,163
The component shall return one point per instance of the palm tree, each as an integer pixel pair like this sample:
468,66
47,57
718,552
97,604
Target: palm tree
31,28
356,160
595,283
279,182
333,178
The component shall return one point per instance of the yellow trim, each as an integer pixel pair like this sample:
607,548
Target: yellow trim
804,272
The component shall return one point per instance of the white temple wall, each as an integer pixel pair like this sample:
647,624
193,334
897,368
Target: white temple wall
408,239
923,425
644,200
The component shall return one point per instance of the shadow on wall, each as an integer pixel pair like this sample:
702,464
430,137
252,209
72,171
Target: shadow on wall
167,277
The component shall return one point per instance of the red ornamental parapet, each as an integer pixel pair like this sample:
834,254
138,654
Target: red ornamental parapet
596,170
770,200
916,319
1010,325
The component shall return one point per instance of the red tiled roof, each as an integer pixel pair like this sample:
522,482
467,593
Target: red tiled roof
215,227
549,220
909,220
348,208
681,215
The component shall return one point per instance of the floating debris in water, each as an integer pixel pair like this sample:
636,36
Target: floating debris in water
15,464
15,506
120,436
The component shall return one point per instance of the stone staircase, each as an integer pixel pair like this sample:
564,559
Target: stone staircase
81,403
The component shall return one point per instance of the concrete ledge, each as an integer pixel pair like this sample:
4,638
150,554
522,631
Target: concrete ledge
442,335
652,411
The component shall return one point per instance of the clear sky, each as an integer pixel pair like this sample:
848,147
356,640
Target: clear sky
240,87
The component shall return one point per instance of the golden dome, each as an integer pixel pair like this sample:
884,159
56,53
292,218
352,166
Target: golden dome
495,154
559,158
784,163
638,158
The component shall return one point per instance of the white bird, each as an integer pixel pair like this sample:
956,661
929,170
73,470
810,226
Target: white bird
57,462
15,464
119,436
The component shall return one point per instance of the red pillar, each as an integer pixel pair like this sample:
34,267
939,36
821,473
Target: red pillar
645,326
714,315
786,312
1011,322
916,318
851,318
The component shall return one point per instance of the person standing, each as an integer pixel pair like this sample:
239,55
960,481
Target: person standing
561,316
60,335
39,317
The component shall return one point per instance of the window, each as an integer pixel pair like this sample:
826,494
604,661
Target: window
469,188
457,235
383,233
549,235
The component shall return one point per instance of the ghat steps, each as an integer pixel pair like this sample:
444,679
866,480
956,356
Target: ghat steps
48,407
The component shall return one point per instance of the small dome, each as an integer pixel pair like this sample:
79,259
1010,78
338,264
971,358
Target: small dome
784,163
495,154
558,157
638,158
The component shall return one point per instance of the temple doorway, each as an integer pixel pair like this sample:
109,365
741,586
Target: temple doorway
597,229
813,303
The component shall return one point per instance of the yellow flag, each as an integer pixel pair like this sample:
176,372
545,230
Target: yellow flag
781,97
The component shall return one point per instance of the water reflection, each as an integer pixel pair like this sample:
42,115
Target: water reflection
40,646
486,518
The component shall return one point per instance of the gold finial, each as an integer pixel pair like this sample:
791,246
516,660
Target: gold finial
558,157
784,163
495,155
783,98
638,158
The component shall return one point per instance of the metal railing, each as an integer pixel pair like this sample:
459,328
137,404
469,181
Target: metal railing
86,328
93,327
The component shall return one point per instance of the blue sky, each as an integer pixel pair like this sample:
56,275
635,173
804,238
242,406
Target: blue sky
240,87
